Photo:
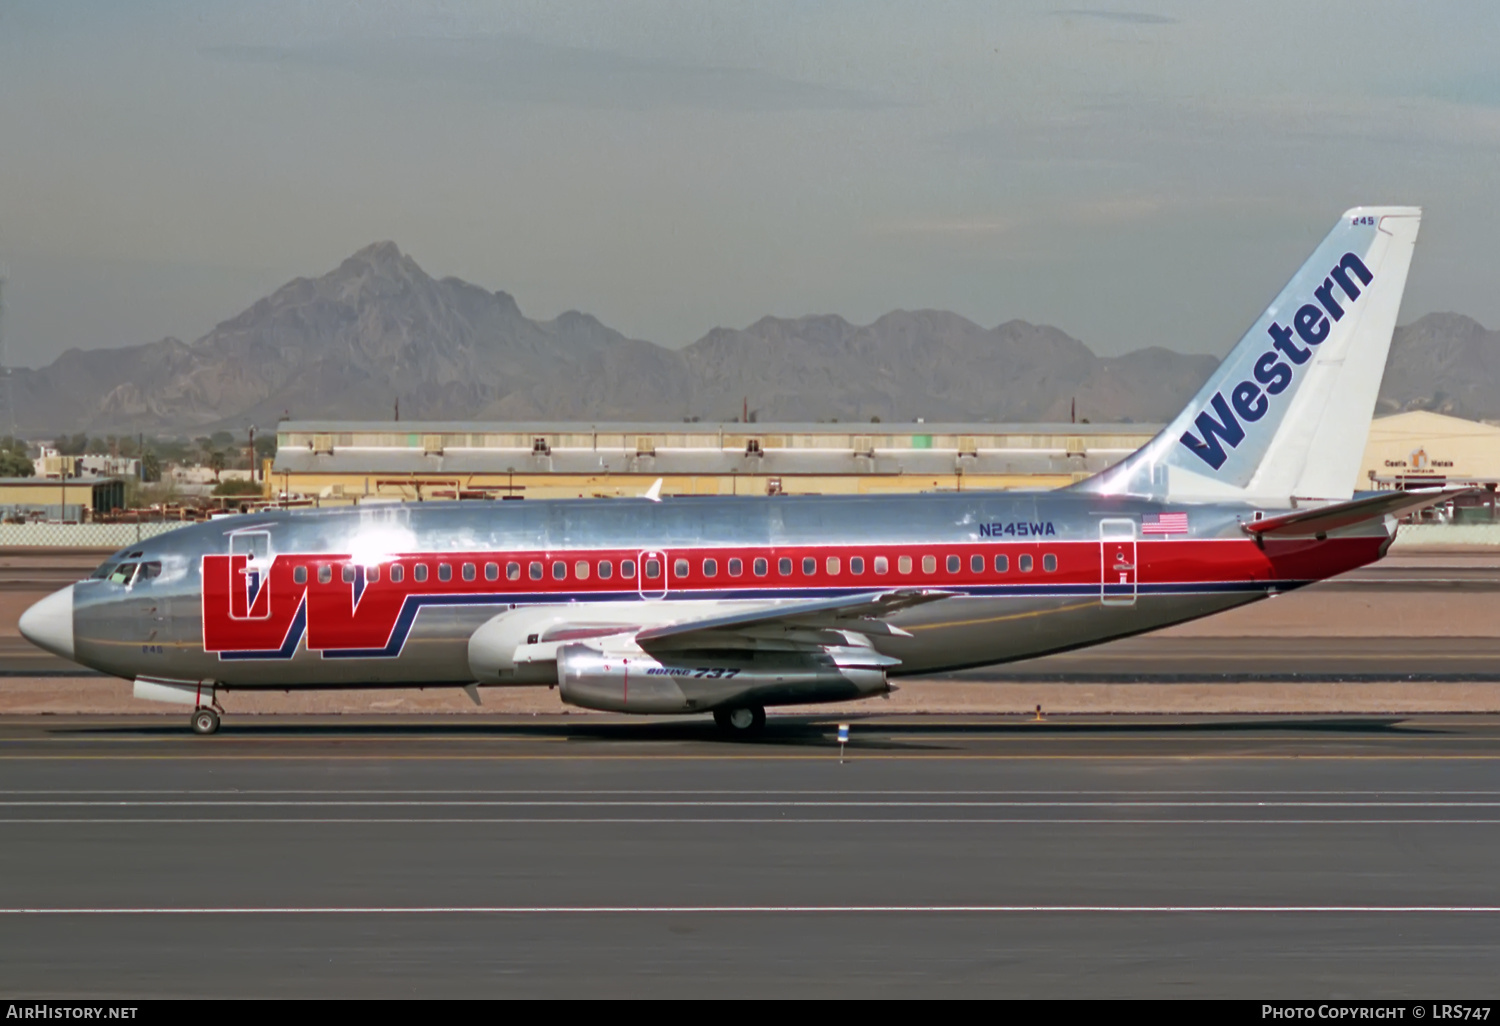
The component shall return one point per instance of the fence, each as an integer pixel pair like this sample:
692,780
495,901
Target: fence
80,536
1416,536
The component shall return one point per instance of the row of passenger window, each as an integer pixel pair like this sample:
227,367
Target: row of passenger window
833,565
681,568
469,571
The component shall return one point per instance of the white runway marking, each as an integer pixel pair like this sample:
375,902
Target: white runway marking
742,804
758,792
731,820
616,910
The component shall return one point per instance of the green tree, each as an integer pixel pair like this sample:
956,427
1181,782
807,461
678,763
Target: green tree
216,462
150,466
14,461
237,488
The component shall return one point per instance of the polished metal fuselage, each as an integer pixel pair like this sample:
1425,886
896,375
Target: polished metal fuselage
155,628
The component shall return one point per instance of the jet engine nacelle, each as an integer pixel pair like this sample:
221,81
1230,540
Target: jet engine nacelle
638,682
510,649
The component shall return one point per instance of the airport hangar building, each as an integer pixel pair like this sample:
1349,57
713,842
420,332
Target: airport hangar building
341,462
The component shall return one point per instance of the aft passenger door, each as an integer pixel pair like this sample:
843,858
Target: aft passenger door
1117,562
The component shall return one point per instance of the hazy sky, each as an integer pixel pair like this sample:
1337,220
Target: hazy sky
1137,174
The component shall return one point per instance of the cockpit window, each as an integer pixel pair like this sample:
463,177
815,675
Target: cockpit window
105,569
148,571
122,574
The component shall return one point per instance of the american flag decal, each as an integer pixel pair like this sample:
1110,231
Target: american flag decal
1165,523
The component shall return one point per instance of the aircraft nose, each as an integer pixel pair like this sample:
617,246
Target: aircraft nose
49,623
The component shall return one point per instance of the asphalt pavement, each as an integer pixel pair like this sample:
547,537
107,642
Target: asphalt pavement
1282,857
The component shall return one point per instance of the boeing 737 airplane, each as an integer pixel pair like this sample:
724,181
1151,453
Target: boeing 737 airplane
730,605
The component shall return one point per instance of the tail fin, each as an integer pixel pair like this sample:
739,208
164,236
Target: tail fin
1288,411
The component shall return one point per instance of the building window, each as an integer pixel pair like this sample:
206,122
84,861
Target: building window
856,564
831,564
492,571
736,567
398,573
534,570
559,570
512,571
1002,564
1049,563
299,575
903,564
710,568
653,568
784,566
606,570
882,565
953,564
468,571
581,569
1025,564
761,566
445,572
419,572
929,564
809,566
680,569
627,569
976,564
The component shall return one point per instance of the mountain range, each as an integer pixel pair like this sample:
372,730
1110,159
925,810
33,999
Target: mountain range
377,328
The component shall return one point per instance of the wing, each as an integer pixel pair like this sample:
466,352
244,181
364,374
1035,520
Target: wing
863,613
532,637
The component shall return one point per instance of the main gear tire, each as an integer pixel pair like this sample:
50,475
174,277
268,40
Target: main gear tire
741,720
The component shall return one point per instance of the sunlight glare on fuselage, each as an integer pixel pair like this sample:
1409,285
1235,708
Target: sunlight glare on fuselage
376,544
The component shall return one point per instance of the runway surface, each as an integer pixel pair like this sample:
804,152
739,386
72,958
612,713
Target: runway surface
541,856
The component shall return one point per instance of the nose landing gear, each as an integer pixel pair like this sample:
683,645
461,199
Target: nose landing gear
741,721
205,721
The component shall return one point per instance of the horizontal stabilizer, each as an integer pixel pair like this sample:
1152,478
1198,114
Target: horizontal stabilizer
1307,523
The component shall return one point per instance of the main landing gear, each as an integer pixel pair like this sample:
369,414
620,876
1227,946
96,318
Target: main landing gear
205,721
741,720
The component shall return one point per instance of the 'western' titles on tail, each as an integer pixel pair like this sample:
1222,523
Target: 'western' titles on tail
1251,399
